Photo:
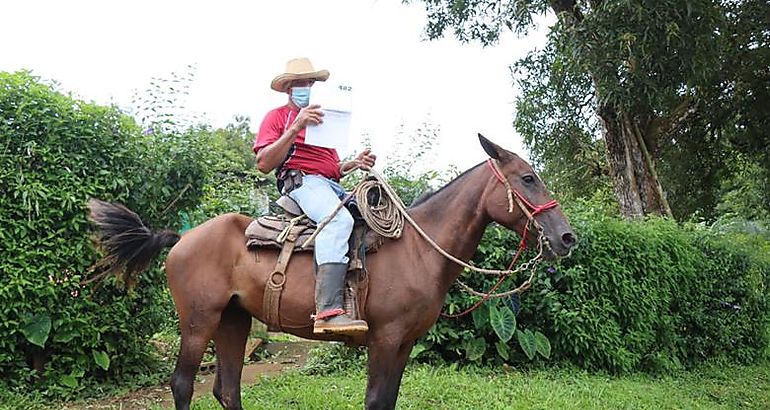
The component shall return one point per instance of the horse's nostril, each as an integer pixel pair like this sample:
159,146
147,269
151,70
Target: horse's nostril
568,239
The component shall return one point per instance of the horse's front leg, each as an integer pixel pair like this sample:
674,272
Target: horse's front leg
387,359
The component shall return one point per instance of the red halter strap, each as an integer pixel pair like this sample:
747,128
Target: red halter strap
534,209
529,210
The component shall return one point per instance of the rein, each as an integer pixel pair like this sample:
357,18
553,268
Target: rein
383,217
387,219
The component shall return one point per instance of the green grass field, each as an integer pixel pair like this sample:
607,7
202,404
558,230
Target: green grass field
449,387
426,387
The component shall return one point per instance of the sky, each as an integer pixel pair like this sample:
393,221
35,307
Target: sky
107,51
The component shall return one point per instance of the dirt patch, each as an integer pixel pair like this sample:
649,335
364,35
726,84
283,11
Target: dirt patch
283,356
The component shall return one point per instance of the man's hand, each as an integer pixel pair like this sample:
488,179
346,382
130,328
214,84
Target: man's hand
310,115
364,160
271,156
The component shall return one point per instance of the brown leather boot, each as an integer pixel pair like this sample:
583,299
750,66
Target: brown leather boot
330,316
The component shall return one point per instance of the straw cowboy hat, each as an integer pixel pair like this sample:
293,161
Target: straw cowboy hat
297,69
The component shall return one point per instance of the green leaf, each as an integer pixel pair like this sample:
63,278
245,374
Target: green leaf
527,343
474,349
37,329
64,336
503,322
101,359
502,349
417,349
542,345
69,381
480,316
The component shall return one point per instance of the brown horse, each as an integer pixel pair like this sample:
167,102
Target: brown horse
218,285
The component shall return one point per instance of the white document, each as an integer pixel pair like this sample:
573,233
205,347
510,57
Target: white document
336,101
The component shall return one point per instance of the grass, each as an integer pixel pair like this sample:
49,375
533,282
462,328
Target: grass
447,387
334,378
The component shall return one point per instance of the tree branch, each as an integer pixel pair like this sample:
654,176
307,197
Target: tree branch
663,201
567,6
661,126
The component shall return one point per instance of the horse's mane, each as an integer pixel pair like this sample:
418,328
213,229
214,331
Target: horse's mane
425,196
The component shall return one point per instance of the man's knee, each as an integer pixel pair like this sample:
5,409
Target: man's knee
343,220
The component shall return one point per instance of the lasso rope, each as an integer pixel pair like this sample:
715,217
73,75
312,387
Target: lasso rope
384,217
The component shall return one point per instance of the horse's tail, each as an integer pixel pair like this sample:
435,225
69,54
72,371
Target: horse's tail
129,246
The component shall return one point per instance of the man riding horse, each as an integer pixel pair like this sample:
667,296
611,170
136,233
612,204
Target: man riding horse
310,176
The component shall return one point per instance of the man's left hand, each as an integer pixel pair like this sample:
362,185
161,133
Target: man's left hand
365,160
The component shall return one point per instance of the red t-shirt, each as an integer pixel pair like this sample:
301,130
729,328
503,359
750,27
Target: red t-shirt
307,158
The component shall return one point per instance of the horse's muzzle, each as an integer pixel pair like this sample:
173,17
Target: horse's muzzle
560,246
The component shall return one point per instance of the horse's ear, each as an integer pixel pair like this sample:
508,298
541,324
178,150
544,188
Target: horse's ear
493,150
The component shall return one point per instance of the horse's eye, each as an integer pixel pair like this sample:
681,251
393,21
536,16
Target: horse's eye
529,179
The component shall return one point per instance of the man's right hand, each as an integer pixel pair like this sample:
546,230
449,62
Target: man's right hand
271,156
310,115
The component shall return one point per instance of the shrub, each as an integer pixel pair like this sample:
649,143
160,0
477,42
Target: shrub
635,295
56,153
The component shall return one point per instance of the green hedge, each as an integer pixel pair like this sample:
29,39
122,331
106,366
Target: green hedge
55,332
635,295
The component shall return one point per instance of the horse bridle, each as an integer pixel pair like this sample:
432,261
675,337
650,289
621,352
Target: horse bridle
529,210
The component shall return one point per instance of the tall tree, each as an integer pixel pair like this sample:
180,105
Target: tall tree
654,74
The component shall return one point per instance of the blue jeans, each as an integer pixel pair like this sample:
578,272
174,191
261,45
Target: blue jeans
318,197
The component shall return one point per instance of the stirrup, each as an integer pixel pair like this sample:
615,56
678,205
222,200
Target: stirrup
340,324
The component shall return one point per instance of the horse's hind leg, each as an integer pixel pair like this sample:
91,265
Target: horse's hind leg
230,342
196,330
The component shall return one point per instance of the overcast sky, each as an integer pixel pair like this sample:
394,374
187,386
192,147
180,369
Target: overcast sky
107,50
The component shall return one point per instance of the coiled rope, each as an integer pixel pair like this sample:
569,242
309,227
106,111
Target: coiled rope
385,216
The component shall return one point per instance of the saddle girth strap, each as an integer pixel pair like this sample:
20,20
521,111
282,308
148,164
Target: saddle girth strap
271,304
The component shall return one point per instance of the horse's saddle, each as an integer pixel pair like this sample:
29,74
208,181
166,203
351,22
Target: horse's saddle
273,230
293,232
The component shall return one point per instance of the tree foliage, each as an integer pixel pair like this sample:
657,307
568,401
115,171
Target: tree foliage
234,184
408,166
656,97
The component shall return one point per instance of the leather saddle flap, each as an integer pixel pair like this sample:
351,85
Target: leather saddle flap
272,231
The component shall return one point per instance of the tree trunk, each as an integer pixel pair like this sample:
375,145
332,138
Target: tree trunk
631,163
631,167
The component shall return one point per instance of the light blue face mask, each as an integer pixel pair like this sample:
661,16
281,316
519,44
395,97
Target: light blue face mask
300,96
